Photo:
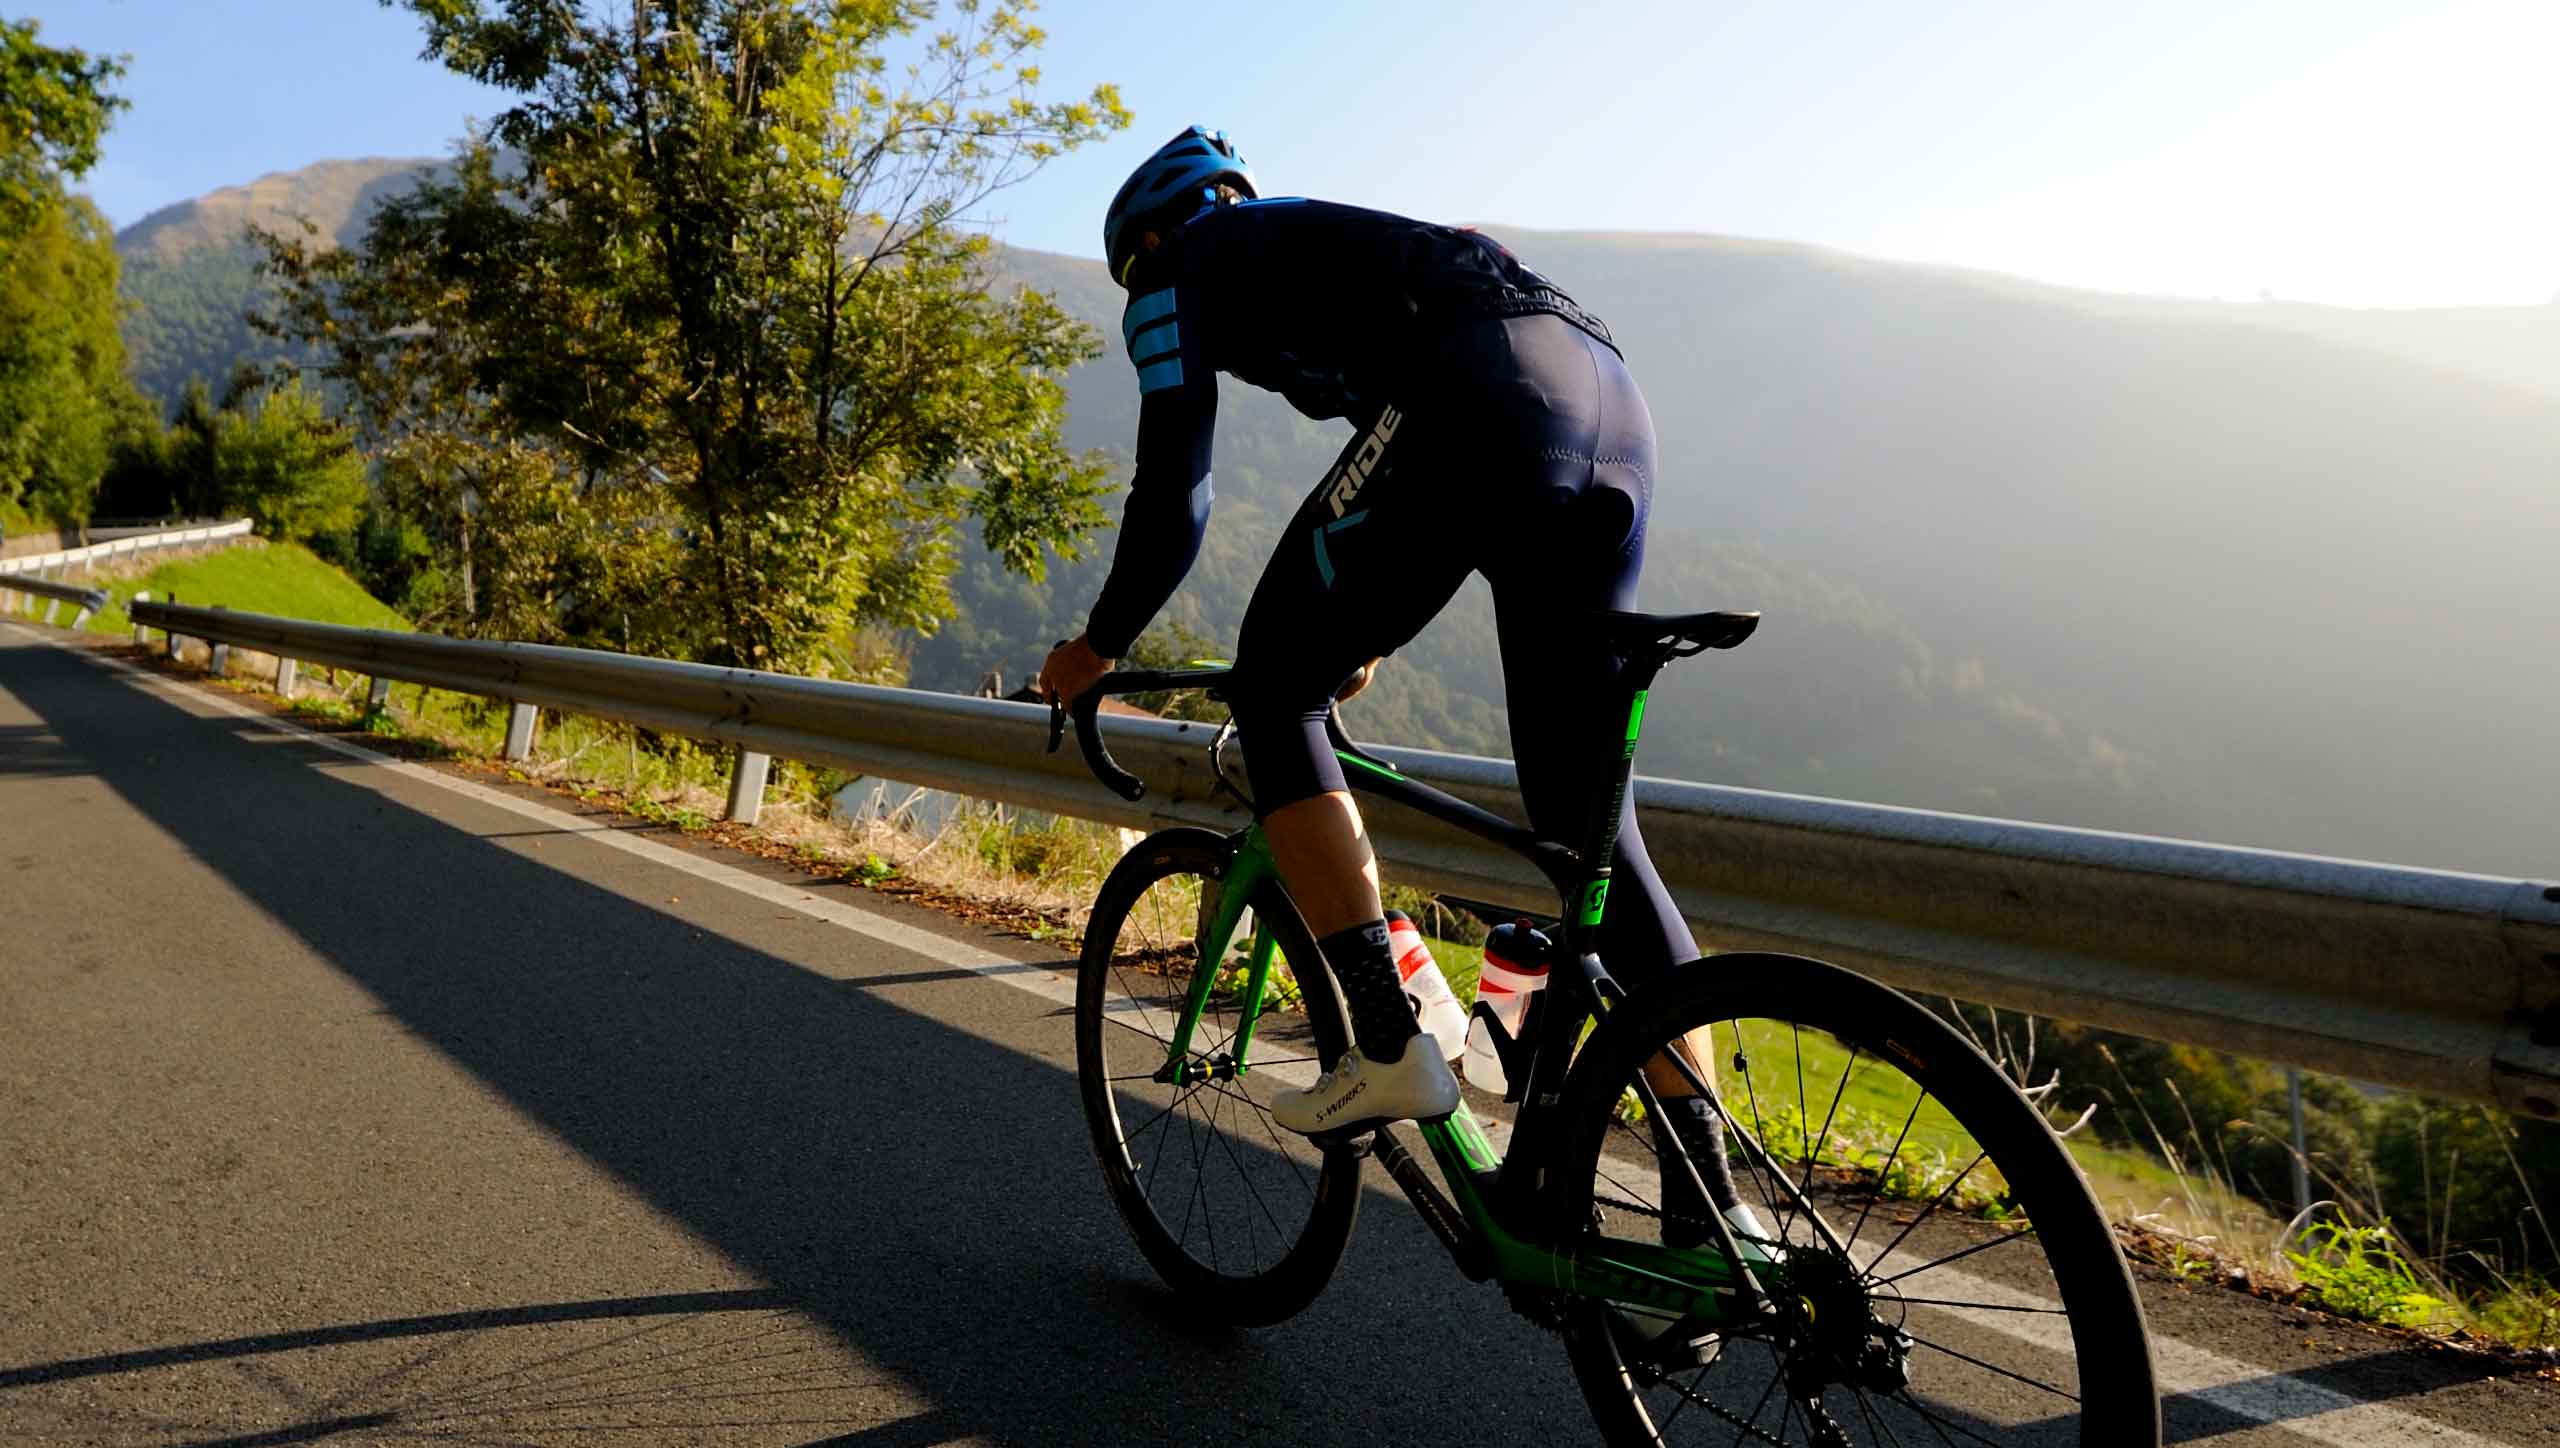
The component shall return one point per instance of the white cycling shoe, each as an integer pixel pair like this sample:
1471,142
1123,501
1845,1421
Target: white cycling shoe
1416,1086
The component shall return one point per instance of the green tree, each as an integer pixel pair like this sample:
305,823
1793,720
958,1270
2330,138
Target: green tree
270,451
279,458
62,378
712,269
61,363
54,108
2474,1188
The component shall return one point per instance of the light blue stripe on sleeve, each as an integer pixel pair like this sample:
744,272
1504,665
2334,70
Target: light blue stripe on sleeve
1156,342
1144,310
1167,373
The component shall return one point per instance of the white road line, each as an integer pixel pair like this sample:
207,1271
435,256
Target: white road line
2320,1414
1043,981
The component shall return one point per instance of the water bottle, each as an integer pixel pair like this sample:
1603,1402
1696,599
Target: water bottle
1515,970
1435,1006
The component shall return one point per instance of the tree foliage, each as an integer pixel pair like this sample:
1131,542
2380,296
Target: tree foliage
701,309
54,109
62,385
271,453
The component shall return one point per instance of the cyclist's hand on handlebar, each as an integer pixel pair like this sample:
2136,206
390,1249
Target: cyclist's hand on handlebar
1358,681
1072,668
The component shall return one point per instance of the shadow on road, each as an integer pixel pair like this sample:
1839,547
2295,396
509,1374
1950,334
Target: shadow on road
928,1195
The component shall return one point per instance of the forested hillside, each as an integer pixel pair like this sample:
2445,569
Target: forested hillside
190,270
2175,567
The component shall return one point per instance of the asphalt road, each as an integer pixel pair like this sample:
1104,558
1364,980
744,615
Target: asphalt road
347,1102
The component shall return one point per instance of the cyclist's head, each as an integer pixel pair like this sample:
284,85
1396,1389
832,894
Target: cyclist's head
1183,178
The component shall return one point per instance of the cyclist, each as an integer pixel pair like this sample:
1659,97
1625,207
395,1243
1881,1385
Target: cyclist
1495,429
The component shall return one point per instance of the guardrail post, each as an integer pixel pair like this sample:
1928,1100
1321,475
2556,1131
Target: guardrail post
377,698
141,631
50,605
220,663
81,619
520,720
284,678
746,786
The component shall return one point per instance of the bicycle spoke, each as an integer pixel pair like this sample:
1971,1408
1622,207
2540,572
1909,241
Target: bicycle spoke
1814,1156
1976,1306
1999,1241
1886,1174
1777,1375
1219,1137
1247,1178
1279,1147
1993,1368
1688,1395
1191,1202
1606,1176
1875,1425
1936,1202
1940,1425
1803,1116
1161,1040
1188,1092
1759,1129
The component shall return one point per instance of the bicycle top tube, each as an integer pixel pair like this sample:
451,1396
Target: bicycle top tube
1561,865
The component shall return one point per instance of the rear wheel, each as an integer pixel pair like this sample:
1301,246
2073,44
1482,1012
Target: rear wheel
1943,1277
1243,1219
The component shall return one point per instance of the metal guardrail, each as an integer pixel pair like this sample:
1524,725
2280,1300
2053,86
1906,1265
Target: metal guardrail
86,600
2433,981
62,560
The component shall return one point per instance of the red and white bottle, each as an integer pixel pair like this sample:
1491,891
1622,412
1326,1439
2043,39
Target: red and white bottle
1435,1006
1515,970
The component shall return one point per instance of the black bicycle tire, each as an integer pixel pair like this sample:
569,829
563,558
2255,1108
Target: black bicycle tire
2120,1409
1288,1285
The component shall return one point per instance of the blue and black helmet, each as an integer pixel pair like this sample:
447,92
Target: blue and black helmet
1187,169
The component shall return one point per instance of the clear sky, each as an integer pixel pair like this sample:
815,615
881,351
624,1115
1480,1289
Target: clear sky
2363,152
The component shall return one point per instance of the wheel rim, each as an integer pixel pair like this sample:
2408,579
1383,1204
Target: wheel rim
1933,1250
1227,1188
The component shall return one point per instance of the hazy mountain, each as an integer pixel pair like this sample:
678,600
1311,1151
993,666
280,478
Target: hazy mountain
2519,346
190,272
2253,572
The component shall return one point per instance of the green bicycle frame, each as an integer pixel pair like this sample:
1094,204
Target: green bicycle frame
1696,1285
1248,872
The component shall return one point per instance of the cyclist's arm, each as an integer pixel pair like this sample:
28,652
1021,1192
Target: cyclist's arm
1168,509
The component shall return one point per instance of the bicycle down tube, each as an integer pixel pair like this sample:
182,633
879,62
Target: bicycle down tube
1706,1285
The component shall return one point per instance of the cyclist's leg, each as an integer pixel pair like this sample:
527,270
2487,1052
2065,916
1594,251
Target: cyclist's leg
1584,520
1356,575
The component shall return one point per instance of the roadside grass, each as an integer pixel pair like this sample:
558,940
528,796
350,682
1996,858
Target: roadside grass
252,576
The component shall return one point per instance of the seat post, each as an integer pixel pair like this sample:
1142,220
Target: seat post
1609,806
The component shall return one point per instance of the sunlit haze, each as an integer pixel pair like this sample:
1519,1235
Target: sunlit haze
2364,154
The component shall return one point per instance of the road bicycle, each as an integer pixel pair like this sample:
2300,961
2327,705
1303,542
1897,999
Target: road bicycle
1934,1269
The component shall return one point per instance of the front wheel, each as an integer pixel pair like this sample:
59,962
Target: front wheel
1243,1219
1942,1273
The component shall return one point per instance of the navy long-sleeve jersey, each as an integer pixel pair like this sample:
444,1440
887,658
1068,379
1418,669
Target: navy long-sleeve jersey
1334,307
